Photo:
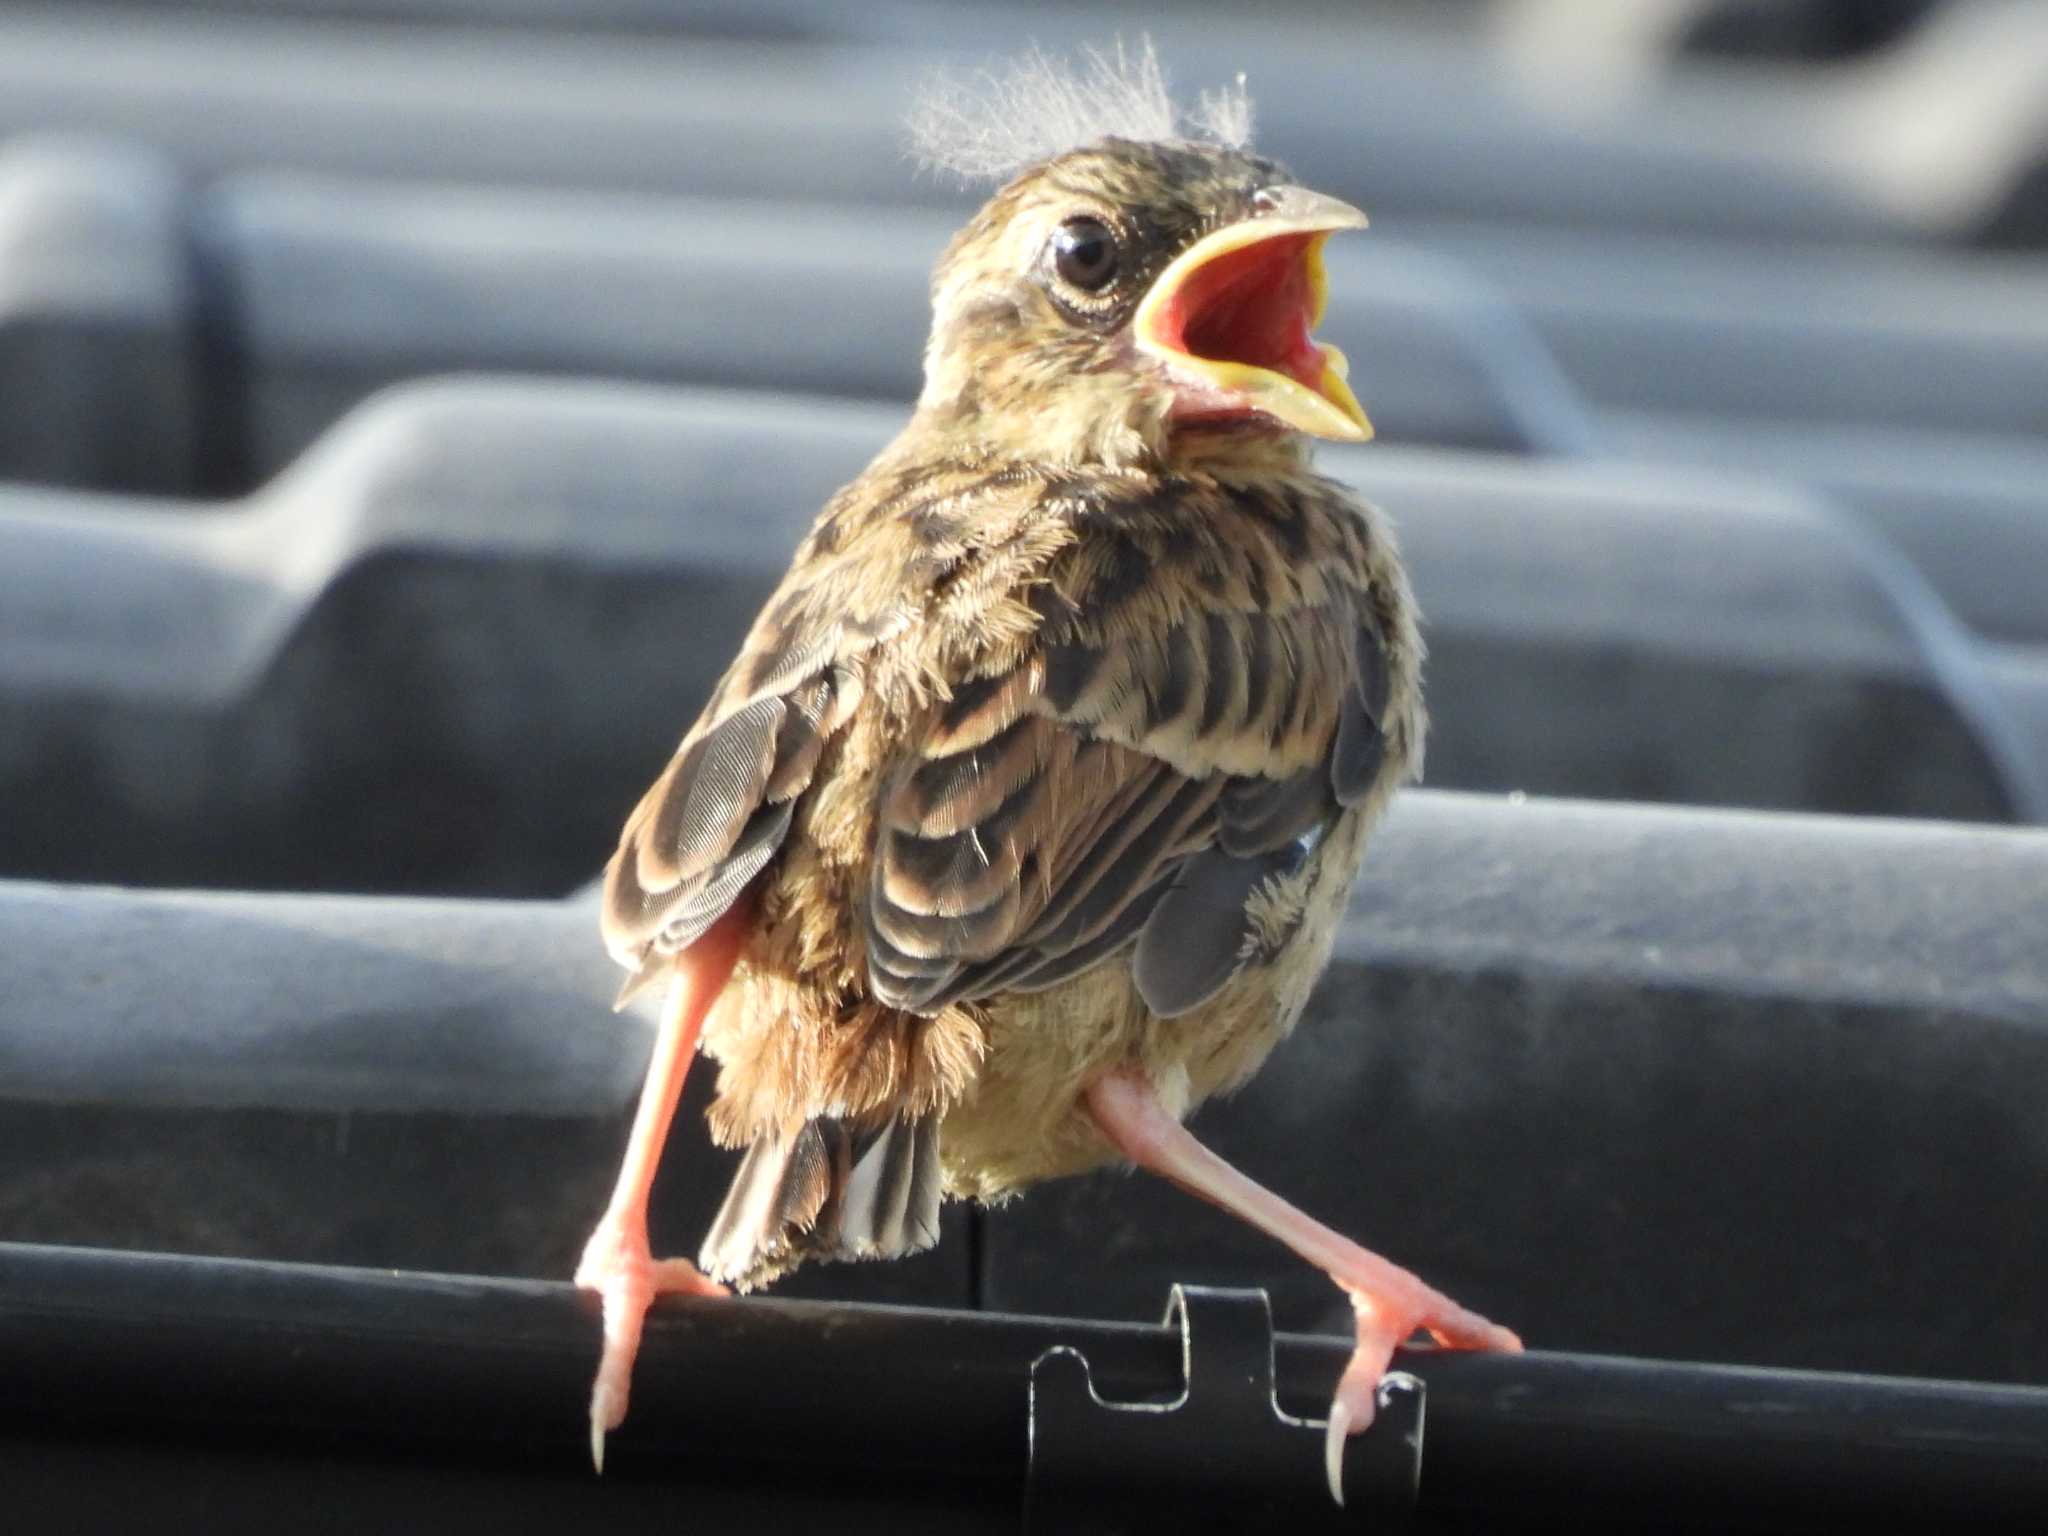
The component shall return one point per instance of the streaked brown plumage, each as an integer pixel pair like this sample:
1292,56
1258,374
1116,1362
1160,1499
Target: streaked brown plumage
1026,813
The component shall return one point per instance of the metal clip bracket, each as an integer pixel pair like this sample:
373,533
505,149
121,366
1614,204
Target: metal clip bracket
1224,1444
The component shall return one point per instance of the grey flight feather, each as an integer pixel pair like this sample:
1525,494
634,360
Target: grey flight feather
828,1192
1197,936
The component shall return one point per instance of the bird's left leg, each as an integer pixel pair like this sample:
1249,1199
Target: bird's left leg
1391,1304
617,1262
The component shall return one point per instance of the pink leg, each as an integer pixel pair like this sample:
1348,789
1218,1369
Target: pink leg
617,1262
1390,1302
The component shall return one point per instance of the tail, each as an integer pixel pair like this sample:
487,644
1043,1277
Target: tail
829,1192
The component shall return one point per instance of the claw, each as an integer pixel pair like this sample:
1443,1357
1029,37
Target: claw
599,1407
1333,1449
617,1266
626,1297
1356,1400
1383,1326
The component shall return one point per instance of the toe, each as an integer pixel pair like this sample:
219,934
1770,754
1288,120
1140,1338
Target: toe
616,1265
1455,1328
679,1277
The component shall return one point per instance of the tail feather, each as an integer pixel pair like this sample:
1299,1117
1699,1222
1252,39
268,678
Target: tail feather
827,1193
891,1202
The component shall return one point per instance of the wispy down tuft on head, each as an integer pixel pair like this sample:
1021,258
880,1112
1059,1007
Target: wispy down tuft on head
994,123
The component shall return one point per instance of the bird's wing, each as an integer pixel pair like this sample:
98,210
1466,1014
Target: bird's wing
1190,711
722,807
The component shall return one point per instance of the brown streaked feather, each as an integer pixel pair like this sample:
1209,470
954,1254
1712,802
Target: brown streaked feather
1102,696
722,807
1162,748
1361,741
1259,815
710,824
1050,867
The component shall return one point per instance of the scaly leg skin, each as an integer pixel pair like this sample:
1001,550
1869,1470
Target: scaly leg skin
1390,1302
617,1262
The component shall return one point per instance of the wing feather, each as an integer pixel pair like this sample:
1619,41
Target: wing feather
1161,714
723,807
1133,778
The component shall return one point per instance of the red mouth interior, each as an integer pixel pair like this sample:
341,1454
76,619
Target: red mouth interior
1250,305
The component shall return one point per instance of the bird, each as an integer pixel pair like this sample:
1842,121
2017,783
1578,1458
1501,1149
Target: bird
1024,818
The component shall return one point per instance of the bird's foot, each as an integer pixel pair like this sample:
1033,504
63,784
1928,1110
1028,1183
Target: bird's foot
1390,1308
1390,1302
618,1265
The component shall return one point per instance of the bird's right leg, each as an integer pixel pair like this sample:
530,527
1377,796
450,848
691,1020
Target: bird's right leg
1390,1303
617,1261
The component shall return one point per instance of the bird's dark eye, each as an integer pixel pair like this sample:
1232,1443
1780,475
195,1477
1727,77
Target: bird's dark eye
1084,253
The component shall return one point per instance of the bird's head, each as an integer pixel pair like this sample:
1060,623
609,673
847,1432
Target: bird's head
1139,301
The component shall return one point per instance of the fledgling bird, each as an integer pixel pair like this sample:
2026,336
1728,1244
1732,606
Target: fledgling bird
1024,819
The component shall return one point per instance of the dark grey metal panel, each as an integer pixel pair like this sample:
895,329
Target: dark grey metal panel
721,116
1658,613
1724,1086
1817,31
467,614
449,649
290,298
1741,1088
341,287
312,1005
2019,677
1971,513
435,1085
215,1391
98,373
1969,510
344,286
1909,340
1428,125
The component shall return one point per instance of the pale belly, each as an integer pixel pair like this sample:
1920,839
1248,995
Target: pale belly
1021,1120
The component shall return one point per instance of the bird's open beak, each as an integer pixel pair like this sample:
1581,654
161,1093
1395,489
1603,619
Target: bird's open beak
1231,318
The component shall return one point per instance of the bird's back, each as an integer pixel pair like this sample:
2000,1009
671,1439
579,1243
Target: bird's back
1028,766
